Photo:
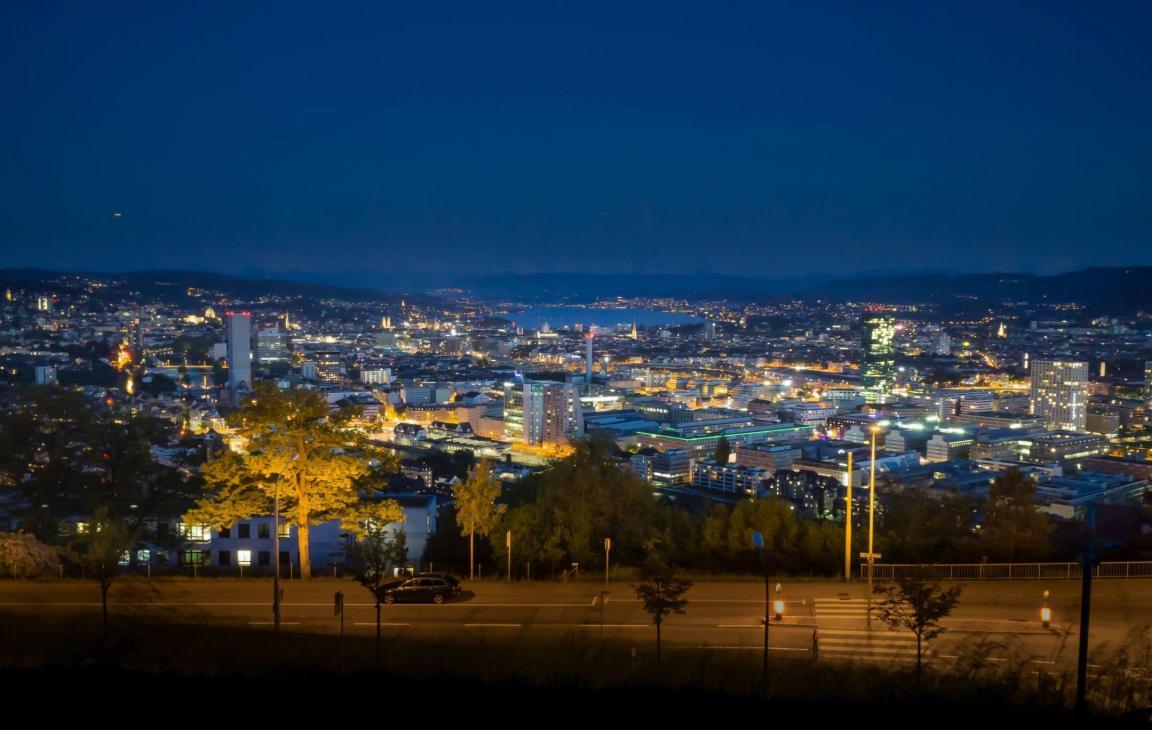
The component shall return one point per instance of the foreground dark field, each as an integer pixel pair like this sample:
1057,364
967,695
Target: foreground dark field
454,678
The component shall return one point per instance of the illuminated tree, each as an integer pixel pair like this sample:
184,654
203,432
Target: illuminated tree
23,556
476,509
324,472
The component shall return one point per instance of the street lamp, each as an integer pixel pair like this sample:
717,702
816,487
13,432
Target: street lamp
607,557
276,556
871,554
758,541
848,526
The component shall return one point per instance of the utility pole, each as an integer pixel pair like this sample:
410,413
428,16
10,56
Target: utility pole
761,548
1087,563
871,521
276,557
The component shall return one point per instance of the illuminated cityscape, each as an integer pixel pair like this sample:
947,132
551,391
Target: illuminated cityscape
401,357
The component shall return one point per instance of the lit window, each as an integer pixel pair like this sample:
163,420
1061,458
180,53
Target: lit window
284,530
244,557
198,533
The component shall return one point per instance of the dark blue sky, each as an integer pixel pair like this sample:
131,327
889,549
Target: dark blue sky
763,138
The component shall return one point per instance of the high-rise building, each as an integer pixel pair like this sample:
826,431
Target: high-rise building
878,368
588,360
329,366
542,412
563,417
551,413
45,375
239,343
43,304
943,344
1060,393
271,345
1148,381
514,412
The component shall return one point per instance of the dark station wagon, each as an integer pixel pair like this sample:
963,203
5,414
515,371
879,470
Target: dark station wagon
422,588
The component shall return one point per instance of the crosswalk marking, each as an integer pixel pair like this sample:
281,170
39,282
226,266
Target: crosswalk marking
841,608
865,645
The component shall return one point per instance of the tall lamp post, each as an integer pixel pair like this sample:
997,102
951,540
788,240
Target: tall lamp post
508,545
848,526
758,541
871,556
607,557
276,557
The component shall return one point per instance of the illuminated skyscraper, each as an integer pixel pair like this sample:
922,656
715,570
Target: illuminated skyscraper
542,413
878,368
1148,381
1060,393
239,350
271,345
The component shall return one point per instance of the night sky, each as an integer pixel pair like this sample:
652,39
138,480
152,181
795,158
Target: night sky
366,143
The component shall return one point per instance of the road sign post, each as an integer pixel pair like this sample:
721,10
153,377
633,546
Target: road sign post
871,558
338,610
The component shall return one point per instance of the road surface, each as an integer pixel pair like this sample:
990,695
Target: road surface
827,619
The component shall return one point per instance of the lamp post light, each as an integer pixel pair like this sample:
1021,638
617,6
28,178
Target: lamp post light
871,554
758,541
607,557
276,557
848,525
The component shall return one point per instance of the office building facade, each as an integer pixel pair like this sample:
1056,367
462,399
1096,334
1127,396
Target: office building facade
1060,393
878,368
239,342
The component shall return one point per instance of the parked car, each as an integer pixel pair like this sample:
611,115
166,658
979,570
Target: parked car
422,588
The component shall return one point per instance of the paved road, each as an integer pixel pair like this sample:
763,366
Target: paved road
720,616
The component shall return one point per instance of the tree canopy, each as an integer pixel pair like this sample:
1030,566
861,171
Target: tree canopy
289,441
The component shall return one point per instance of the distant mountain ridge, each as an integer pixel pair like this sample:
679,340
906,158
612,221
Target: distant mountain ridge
1105,289
1121,288
600,286
174,283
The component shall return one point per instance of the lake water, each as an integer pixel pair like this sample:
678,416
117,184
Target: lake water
559,317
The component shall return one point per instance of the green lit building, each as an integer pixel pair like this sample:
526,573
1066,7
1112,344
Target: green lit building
878,368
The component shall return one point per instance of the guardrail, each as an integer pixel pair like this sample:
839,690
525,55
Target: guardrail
1007,571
